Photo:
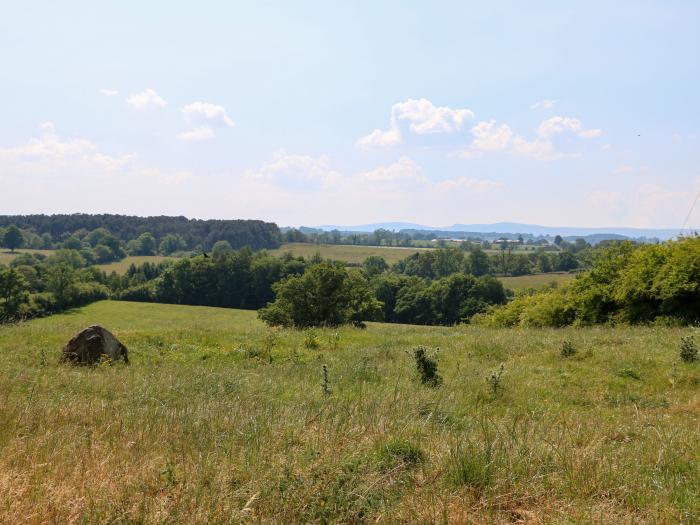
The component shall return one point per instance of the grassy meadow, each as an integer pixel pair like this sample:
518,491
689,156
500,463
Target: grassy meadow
219,419
537,280
6,256
345,252
122,266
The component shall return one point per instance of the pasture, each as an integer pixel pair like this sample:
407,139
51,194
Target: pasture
345,252
6,256
122,266
219,419
536,281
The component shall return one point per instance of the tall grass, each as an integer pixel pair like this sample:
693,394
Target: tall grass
217,420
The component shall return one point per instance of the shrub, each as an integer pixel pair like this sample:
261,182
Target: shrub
689,350
144,293
567,349
427,367
311,340
494,379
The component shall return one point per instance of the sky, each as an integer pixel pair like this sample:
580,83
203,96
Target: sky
350,112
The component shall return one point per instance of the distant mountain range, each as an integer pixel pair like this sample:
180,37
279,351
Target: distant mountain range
513,228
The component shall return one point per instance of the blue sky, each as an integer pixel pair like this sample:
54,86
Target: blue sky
557,113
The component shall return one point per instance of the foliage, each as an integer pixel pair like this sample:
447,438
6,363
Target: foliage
626,283
203,233
13,238
325,295
427,366
689,350
13,292
567,349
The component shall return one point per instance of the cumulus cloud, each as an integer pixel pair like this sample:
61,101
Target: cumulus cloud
558,125
147,99
52,157
491,137
291,170
206,114
109,92
422,116
197,134
404,169
205,117
544,104
379,138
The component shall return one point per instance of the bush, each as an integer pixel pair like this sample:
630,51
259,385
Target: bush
144,293
689,350
427,367
567,349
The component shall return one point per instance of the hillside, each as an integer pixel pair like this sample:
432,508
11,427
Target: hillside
220,420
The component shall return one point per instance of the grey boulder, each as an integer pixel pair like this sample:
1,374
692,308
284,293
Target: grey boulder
89,345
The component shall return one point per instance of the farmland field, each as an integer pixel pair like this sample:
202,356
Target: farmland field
6,256
122,266
346,252
538,280
219,419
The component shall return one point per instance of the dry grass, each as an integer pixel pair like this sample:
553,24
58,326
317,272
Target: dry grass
122,266
6,256
346,253
203,427
538,280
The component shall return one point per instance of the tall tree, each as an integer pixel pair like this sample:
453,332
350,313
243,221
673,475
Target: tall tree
13,238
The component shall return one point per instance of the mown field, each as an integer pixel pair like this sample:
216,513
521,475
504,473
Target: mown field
538,280
346,253
6,256
122,266
219,419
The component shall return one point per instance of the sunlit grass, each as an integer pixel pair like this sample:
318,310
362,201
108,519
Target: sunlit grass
219,419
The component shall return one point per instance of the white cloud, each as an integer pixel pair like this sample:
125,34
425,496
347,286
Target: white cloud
490,137
423,117
206,114
544,104
109,92
404,169
50,157
379,138
558,125
147,99
291,170
539,149
197,134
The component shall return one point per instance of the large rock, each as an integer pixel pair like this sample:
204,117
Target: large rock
89,345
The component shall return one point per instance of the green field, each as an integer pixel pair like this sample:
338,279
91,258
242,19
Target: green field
6,256
345,253
122,266
219,419
538,280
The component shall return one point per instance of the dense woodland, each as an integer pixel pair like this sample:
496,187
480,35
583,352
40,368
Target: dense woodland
51,231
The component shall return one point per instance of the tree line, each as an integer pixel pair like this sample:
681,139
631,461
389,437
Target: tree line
625,283
48,231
